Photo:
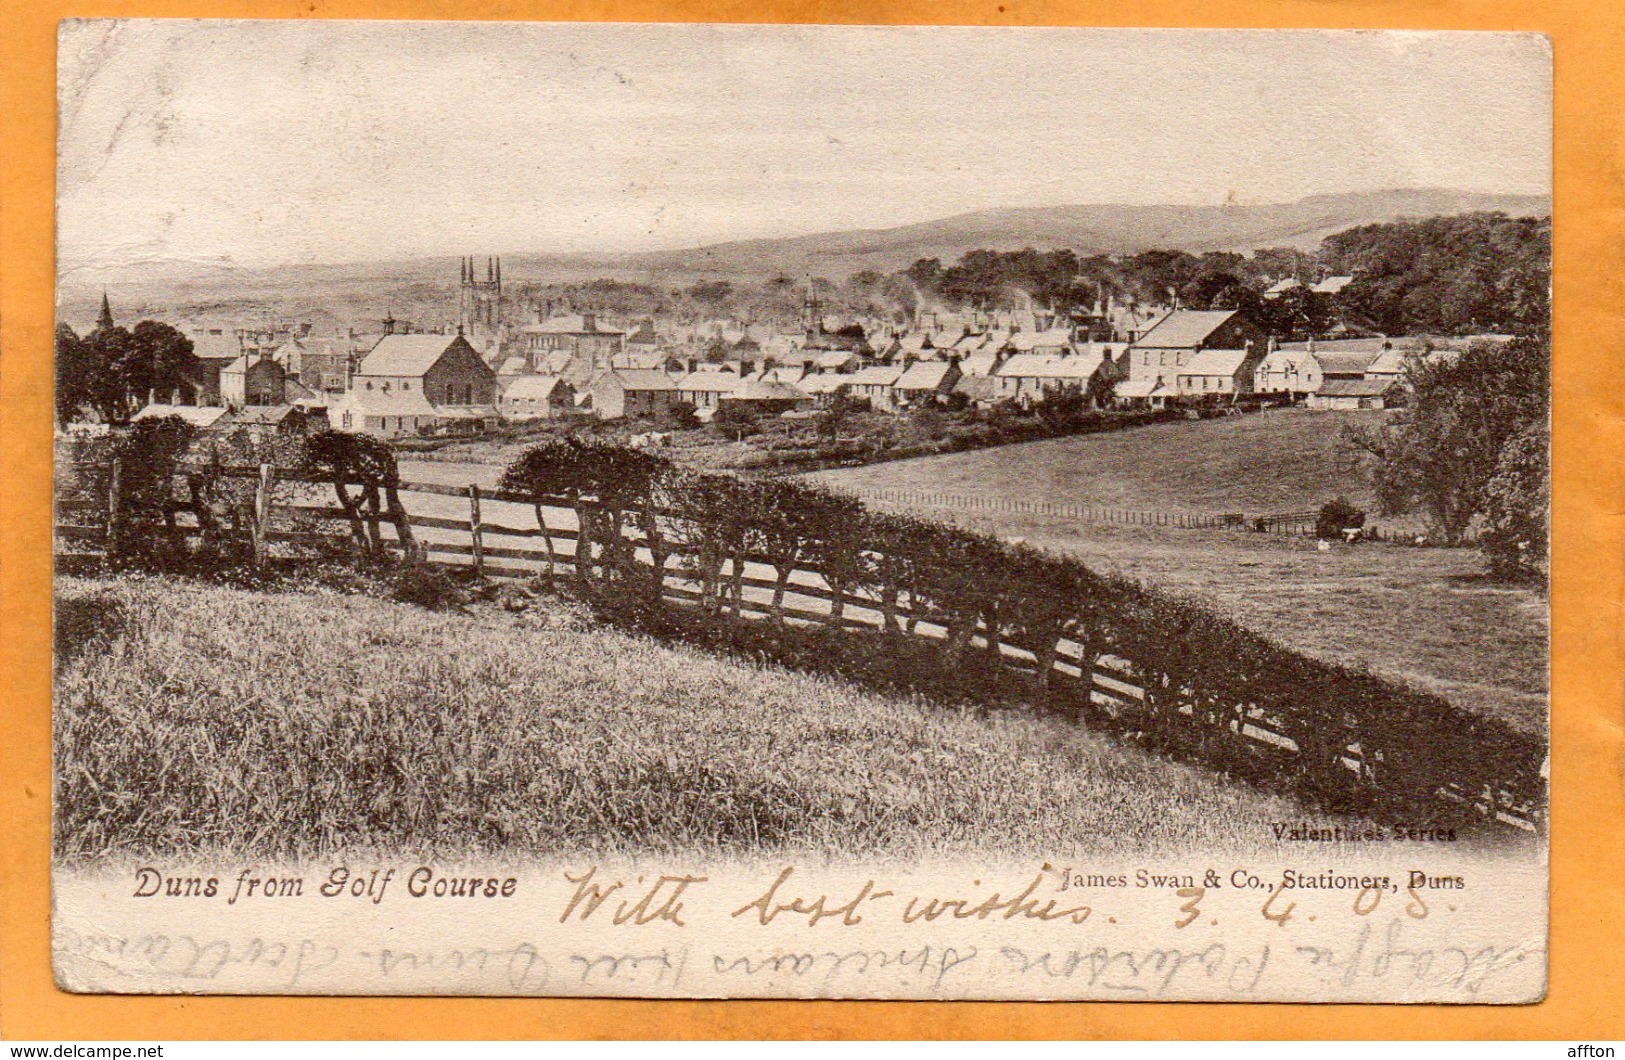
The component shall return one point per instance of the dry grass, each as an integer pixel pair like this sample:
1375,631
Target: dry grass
193,720
1426,616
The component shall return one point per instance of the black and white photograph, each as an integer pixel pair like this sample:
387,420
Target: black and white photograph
801,511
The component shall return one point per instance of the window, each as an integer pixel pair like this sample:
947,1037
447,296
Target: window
369,384
406,386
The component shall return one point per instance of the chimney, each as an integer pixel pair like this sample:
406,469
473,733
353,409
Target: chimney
1272,346
589,322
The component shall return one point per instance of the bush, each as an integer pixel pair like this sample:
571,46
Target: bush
425,587
1337,515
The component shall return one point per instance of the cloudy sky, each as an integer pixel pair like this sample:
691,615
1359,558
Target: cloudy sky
267,142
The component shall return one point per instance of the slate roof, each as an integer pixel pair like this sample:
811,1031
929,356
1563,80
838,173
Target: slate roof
711,381
1138,388
1185,328
527,387
1332,284
403,355
378,403
1215,362
643,379
877,375
923,375
1049,366
196,415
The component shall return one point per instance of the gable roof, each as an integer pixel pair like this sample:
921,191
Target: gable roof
1332,284
761,390
196,415
1185,328
406,354
513,366
923,375
1341,363
977,387
824,384
537,387
378,403
877,375
1049,366
259,416
710,381
1215,362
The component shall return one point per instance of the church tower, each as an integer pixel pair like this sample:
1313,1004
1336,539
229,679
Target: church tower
479,302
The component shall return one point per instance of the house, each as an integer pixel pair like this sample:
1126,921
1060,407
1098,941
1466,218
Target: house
215,349
617,392
766,398
270,420
1159,354
1332,285
979,390
823,388
876,384
1354,394
443,369
1028,378
253,379
706,387
927,381
1218,374
536,397
393,414
1291,370
577,334
1390,364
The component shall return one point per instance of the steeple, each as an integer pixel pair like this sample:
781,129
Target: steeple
105,321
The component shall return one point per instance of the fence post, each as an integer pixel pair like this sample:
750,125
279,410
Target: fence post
474,529
113,515
262,513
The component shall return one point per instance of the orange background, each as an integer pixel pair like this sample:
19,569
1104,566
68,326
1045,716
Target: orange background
1588,803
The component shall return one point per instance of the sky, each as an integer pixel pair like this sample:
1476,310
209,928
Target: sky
264,143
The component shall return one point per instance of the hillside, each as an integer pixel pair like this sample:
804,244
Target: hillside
193,720
367,288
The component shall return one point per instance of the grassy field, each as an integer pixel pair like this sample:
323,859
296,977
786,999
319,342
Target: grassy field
1423,615
196,720
1277,461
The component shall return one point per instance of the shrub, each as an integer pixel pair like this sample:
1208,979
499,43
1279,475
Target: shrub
1337,515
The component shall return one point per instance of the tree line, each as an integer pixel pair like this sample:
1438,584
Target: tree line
113,370
1466,274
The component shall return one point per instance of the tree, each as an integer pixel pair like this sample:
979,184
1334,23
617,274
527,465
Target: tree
161,362
1517,506
1441,453
737,419
73,372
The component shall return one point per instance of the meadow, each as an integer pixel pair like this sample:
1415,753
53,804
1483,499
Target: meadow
197,720
1427,616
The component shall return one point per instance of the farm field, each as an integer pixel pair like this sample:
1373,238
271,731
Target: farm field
1275,461
198,720
1423,615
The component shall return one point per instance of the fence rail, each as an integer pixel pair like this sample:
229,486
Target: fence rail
966,502
1119,691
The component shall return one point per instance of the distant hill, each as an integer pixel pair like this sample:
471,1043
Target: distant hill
1115,229
1112,229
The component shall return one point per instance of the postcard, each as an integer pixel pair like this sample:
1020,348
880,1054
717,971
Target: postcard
801,512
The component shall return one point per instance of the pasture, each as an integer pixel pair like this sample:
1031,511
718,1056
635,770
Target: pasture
1422,615
207,721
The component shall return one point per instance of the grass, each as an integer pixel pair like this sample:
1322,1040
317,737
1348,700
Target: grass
1423,615
204,721
1277,461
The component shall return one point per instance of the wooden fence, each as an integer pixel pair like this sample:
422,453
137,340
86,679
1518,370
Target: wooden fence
474,541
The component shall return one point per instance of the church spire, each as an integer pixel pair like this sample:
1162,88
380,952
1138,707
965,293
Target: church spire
105,321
